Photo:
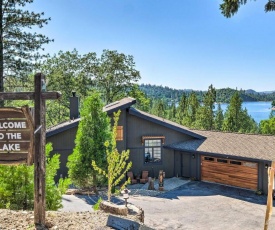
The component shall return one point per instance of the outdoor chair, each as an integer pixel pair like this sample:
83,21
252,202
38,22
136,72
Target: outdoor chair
131,175
144,177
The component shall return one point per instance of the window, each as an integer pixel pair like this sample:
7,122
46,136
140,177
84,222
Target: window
152,149
221,160
235,162
208,158
119,133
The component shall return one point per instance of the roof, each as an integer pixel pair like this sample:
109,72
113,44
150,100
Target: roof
252,146
62,127
110,108
166,123
122,104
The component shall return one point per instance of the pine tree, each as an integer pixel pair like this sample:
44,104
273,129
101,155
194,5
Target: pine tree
18,46
219,118
93,131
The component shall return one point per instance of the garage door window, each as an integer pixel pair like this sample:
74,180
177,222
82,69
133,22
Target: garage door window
152,150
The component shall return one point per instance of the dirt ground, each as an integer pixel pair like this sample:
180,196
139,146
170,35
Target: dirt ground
19,220
54,220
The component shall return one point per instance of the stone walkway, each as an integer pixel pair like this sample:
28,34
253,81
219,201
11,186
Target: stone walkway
169,184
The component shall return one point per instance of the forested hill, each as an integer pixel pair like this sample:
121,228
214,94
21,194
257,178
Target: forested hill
223,95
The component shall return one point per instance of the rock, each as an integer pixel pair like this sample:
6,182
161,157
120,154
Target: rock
124,224
113,208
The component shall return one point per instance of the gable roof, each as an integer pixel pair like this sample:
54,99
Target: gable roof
163,122
252,146
110,108
119,105
62,127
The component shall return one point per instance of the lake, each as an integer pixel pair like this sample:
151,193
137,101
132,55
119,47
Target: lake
259,110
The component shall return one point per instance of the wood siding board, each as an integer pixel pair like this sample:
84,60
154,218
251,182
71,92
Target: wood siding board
230,174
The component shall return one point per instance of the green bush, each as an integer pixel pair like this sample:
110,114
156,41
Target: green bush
97,204
17,185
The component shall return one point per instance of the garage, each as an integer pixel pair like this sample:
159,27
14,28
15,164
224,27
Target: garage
232,172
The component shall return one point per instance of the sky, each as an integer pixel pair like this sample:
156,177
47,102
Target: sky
182,44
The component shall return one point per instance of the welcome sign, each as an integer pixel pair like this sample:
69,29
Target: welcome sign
16,135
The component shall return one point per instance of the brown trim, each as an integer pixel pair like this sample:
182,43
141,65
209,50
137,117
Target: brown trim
152,138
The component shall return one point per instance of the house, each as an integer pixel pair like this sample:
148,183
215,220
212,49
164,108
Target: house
158,144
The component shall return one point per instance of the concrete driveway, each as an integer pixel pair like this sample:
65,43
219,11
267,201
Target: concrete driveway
200,205
194,205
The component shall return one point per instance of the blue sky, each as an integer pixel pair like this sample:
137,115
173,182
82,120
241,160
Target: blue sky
182,44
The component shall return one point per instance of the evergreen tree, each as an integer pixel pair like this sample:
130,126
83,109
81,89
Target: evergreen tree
232,114
237,119
117,162
182,109
93,131
272,112
18,46
229,7
192,109
205,114
219,118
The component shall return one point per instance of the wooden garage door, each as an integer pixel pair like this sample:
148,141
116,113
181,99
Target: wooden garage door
231,172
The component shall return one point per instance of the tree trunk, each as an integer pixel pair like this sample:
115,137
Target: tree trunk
95,184
1,54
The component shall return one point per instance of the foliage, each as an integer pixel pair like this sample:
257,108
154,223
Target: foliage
93,131
143,102
169,95
237,119
115,75
54,192
268,126
18,45
117,162
67,72
205,114
17,185
219,118
229,7
97,204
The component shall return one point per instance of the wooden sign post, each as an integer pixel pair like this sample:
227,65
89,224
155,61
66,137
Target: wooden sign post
39,133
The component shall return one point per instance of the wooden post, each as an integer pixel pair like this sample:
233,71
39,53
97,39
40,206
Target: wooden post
39,155
269,204
39,98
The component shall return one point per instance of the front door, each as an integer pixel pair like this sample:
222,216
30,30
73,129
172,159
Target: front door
186,165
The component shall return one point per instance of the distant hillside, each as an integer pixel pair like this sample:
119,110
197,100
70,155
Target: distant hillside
223,95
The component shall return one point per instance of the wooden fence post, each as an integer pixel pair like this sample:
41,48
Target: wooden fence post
269,204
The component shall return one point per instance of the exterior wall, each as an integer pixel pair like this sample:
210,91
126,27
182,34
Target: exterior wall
136,128
63,143
121,145
263,176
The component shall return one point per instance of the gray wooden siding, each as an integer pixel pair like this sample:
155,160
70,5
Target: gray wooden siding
63,143
136,128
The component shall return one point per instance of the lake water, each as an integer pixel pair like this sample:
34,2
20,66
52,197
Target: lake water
259,110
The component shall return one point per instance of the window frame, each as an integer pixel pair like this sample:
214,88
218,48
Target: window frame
153,151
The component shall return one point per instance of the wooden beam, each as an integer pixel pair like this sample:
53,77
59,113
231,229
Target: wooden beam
28,95
39,156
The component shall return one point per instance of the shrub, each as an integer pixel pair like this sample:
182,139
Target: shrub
17,185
